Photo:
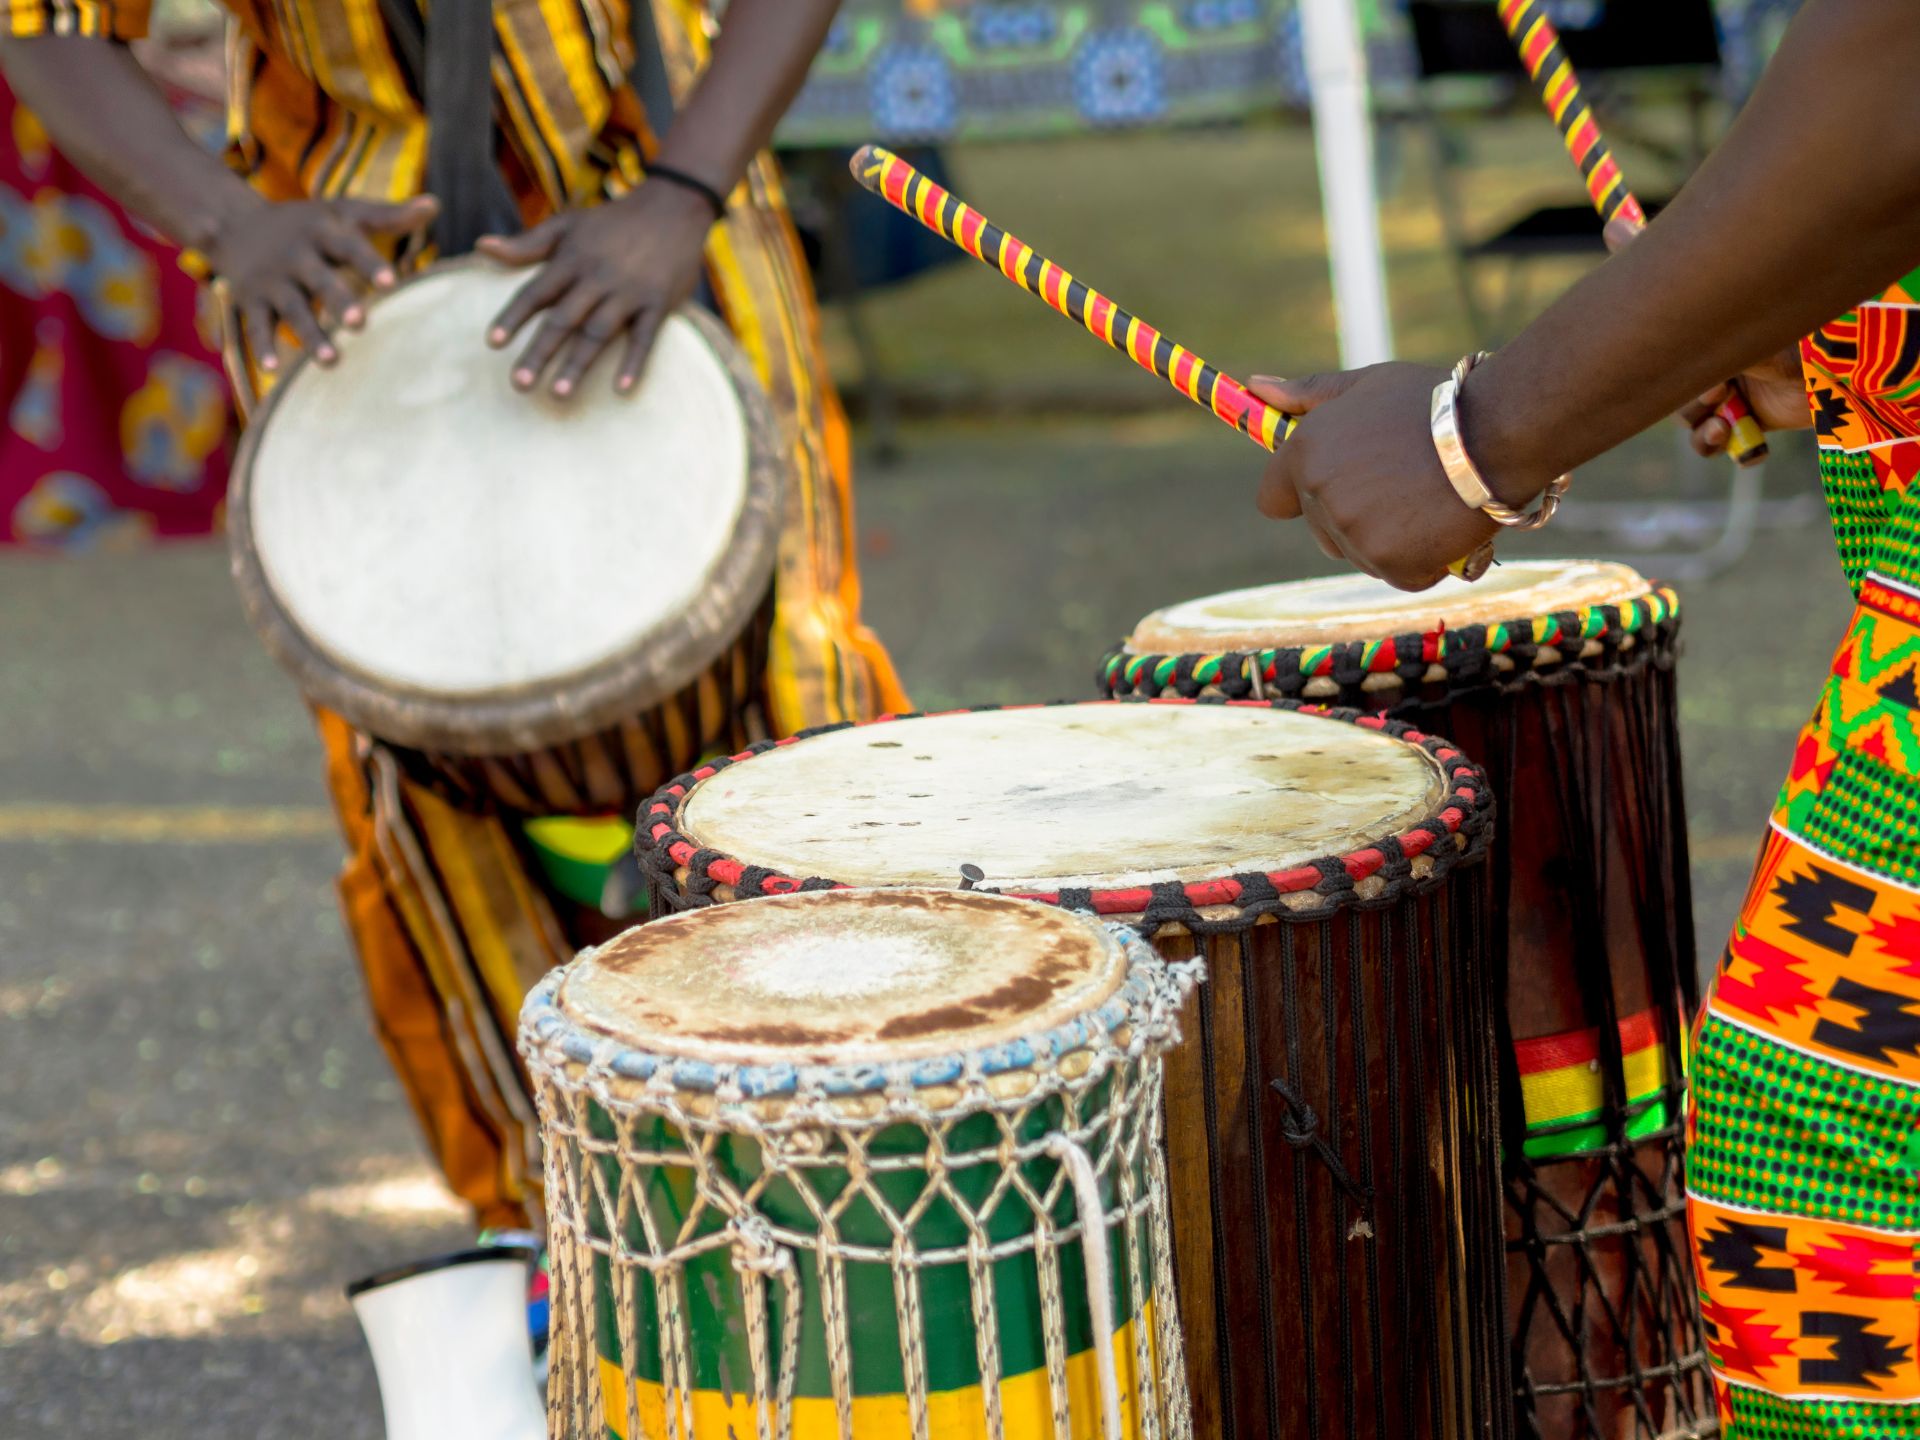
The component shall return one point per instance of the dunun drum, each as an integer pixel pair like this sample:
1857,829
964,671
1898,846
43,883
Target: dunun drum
871,1165
1331,1156
1557,676
552,606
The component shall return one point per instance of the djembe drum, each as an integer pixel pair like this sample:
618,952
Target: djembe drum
1331,1154
1557,676
550,606
873,1165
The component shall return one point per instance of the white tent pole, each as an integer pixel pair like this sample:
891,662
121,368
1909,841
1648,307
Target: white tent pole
1343,142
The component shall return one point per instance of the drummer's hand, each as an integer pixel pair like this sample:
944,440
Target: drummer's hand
1361,470
613,271
304,264
1776,388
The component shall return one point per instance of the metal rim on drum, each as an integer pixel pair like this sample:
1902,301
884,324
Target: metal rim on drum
511,719
1591,640
1377,872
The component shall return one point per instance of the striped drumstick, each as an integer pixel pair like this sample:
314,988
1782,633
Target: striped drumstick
1559,86
904,187
944,213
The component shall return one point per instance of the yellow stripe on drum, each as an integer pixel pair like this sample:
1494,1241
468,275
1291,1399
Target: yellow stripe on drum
1574,1091
1026,1404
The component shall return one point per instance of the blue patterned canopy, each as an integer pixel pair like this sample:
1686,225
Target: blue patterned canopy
901,71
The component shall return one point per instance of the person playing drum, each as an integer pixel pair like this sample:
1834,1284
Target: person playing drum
344,176
1804,1171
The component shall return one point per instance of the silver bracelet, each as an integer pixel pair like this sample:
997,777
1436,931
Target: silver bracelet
1462,474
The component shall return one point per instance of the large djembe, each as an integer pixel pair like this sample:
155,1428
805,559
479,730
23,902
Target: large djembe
1332,1158
1558,677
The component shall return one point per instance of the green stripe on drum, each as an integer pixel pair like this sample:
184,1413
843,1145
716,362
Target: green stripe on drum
660,1195
1574,1137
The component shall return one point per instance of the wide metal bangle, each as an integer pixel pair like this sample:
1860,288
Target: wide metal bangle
1451,446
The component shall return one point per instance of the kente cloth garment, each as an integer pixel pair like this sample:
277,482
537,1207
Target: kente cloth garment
448,912
1804,1166
116,411
452,917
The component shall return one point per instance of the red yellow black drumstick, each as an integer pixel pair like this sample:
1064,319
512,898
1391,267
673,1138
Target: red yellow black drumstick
898,183
944,213
1553,75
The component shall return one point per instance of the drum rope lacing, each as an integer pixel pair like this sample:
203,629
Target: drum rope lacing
1542,650
1096,1082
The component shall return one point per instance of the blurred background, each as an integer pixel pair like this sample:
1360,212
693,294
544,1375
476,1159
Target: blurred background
199,1141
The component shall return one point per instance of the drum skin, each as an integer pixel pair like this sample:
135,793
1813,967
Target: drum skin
1331,1136
1574,716
638,695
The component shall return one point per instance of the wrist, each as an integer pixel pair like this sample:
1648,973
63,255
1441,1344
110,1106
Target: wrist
1498,434
691,184
231,205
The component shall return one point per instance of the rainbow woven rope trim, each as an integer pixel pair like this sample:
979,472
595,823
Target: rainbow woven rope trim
1123,672
1465,812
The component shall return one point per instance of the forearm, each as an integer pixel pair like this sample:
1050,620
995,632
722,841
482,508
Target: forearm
759,62
1810,205
108,117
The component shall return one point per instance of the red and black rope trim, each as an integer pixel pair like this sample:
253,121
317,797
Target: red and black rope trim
1542,649
1466,812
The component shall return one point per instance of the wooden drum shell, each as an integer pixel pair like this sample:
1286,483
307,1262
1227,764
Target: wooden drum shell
1365,1302
1591,922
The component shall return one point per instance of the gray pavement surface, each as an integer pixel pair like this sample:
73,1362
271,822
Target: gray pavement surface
199,1141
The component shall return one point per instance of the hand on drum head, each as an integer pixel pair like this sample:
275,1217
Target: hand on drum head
617,270
305,264
1361,470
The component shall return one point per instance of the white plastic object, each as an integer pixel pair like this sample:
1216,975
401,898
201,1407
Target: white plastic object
1343,143
449,1342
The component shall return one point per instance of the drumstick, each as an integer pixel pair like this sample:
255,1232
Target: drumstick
1559,86
944,213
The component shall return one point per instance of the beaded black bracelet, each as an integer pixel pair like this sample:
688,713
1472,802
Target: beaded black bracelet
690,182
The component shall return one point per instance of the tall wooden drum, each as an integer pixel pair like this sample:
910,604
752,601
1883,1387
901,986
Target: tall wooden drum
1331,1155
552,606
864,1165
1558,677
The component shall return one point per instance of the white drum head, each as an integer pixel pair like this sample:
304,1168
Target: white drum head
843,977
1358,607
453,550
1071,796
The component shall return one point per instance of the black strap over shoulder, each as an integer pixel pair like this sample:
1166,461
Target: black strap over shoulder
463,168
649,73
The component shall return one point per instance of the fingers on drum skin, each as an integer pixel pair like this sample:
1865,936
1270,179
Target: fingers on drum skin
529,300
640,338
346,245
604,324
561,322
296,313
330,288
256,323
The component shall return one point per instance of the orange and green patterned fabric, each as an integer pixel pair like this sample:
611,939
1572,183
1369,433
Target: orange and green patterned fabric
1804,1160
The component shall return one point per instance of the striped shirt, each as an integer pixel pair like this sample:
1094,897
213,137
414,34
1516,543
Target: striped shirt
321,101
